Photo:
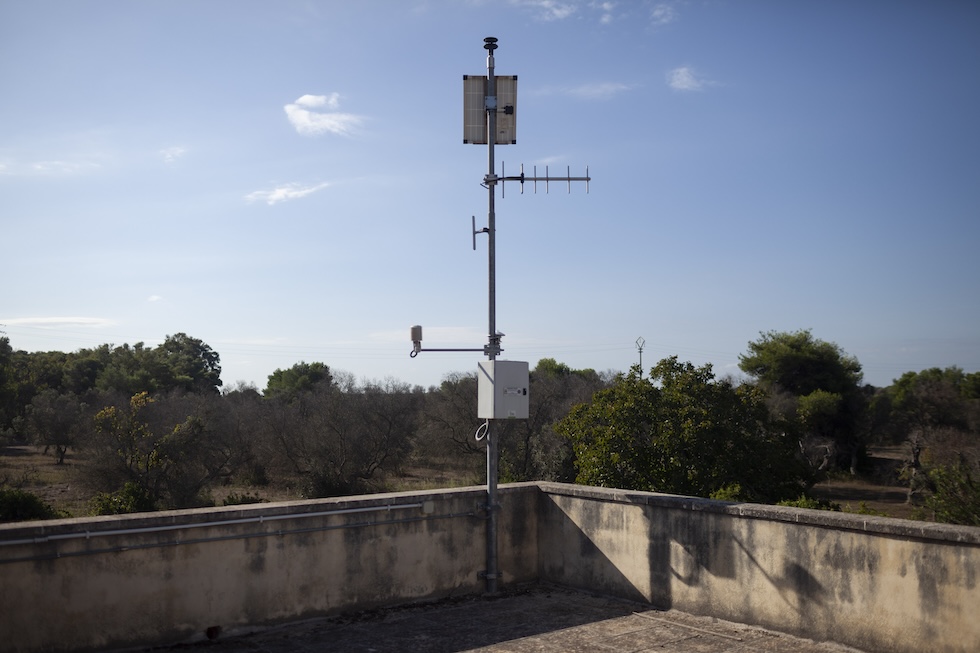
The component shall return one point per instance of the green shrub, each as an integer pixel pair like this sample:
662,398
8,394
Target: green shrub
956,499
731,492
20,505
812,504
865,509
131,498
235,499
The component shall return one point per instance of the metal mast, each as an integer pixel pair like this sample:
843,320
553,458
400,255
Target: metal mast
493,346
483,124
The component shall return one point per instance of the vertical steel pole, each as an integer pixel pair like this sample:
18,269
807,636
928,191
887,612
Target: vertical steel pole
493,451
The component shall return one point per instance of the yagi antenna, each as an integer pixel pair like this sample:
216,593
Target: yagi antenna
547,179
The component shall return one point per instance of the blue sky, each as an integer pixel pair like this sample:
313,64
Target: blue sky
287,180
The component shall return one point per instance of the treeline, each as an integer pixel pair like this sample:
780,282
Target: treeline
157,431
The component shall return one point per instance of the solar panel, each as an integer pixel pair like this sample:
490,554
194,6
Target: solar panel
475,109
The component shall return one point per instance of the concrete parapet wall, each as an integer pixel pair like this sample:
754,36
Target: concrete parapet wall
874,583
877,584
114,582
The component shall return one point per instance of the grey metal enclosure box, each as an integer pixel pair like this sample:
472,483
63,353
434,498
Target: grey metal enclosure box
502,389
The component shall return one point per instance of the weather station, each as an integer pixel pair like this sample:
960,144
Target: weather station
490,118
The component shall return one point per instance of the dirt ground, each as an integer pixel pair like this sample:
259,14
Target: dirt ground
878,491
28,467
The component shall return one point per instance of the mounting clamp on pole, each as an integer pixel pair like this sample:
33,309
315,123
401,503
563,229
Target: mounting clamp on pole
493,349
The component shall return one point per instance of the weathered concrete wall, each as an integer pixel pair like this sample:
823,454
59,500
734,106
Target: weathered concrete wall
877,584
111,582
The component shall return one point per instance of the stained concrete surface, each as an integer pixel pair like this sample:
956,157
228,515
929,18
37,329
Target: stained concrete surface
539,619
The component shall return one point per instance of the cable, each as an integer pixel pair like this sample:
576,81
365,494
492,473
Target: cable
485,427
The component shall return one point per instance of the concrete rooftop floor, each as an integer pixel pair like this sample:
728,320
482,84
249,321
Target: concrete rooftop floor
540,619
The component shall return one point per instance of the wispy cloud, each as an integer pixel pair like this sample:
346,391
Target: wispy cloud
598,90
606,11
313,115
49,167
58,167
154,298
686,78
587,91
550,160
57,322
663,14
549,9
284,193
171,154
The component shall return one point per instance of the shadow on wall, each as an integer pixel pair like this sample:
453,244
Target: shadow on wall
688,557
726,566
581,545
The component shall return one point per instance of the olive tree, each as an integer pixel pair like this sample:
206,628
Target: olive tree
343,439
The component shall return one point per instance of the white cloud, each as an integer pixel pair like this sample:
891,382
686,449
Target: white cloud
154,298
331,101
171,154
284,193
686,79
663,14
549,9
56,322
606,9
305,117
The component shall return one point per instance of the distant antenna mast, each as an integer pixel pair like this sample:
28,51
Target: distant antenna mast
490,118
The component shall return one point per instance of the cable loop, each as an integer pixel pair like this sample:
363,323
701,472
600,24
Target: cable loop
485,427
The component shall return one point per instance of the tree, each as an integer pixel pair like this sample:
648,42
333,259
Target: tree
81,373
934,413
449,418
819,390
188,364
530,449
57,420
170,449
9,406
800,363
933,398
129,370
301,377
343,438
682,432
956,499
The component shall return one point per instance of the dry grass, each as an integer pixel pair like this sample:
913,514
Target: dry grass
27,467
